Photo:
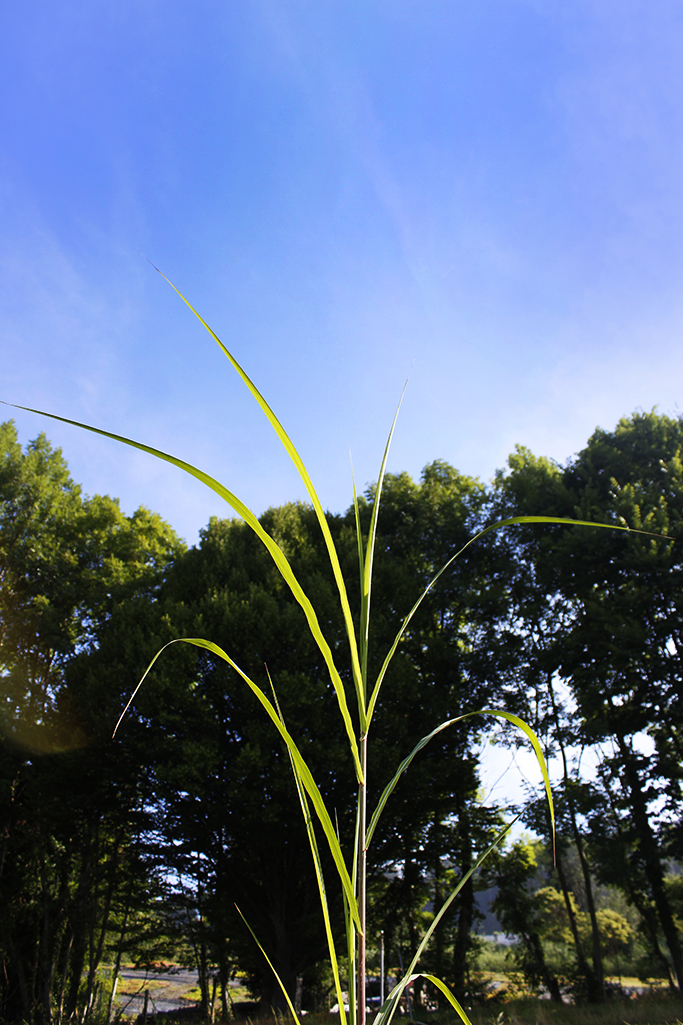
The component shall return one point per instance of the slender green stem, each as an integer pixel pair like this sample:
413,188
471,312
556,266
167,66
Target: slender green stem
362,880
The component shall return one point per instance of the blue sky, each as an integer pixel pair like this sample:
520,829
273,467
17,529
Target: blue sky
489,192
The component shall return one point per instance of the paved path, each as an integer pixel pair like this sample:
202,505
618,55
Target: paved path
161,998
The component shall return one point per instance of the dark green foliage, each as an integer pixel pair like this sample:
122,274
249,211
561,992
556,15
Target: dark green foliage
519,906
70,800
597,616
192,809
225,788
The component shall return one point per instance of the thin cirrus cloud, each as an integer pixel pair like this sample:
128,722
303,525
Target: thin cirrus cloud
490,194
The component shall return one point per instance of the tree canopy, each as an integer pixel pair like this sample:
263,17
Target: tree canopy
192,809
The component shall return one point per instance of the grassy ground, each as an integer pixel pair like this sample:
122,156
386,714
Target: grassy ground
646,1010
129,987
643,1011
654,1008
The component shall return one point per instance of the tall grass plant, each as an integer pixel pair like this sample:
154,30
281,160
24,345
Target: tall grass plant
363,697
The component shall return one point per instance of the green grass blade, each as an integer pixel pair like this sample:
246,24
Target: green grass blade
272,967
538,751
351,955
514,719
512,521
322,892
440,985
449,996
391,785
308,483
303,772
385,1016
302,768
562,520
350,927
273,548
359,534
370,551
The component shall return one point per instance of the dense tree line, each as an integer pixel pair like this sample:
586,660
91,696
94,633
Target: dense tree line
73,804
593,642
121,849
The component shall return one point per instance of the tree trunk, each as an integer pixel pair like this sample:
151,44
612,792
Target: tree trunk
595,979
592,984
651,861
551,984
640,903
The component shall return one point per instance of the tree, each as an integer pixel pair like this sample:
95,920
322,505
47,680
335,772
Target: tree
66,562
228,810
618,596
520,907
